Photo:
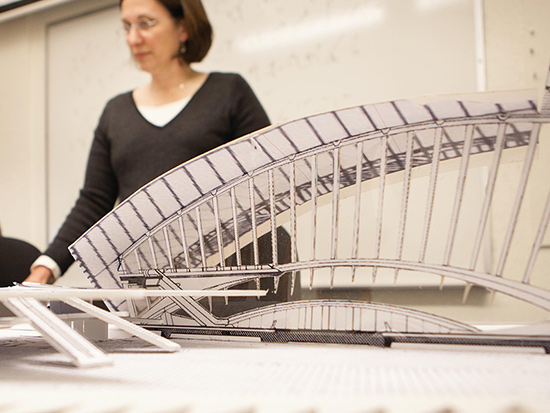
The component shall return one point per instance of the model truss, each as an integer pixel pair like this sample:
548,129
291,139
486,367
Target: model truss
27,303
211,222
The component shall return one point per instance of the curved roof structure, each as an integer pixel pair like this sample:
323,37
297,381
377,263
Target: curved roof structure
99,249
218,217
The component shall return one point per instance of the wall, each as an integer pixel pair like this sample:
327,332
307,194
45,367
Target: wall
517,36
23,138
21,142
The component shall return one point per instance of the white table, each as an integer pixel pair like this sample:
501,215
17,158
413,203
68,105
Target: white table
244,376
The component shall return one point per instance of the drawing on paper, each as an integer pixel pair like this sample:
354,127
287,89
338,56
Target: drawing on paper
305,201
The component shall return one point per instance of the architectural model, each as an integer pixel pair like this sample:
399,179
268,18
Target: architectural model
223,219
23,301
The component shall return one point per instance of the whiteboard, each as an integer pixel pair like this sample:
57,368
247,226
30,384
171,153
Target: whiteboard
300,58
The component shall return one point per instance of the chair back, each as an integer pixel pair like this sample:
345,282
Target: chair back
16,257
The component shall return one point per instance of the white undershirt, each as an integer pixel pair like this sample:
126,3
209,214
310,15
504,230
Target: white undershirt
162,115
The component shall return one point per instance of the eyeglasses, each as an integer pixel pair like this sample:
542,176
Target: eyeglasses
140,25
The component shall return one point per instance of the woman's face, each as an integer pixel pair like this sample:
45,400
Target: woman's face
152,35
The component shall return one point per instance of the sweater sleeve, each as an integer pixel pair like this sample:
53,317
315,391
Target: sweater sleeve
97,197
248,115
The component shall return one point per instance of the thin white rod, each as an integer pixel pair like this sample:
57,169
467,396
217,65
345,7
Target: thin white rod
405,197
235,226
184,242
335,210
168,247
293,243
47,292
499,145
273,217
431,193
122,261
528,162
314,183
138,261
459,194
152,249
335,202
218,231
381,191
293,223
254,221
538,242
200,236
357,211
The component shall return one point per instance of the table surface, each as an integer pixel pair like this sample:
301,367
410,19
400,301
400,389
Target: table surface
246,376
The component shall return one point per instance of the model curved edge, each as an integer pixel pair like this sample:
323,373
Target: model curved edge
98,250
312,315
278,183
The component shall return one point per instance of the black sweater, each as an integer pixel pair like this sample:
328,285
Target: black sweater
128,151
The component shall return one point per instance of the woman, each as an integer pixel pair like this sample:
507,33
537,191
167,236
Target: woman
179,114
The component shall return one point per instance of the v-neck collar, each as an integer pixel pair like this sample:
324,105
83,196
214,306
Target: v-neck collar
190,102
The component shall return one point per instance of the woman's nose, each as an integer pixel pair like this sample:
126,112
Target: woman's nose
133,36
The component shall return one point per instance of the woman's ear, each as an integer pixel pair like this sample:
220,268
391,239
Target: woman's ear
183,32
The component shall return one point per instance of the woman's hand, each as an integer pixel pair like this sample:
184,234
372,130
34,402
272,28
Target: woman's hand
41,275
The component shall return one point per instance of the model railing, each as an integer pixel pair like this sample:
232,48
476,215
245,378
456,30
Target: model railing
196,240
348,194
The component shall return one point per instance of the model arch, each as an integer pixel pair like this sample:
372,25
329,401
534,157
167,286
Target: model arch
313,177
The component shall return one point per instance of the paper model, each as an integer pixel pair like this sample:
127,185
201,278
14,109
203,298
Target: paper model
211,222
23,302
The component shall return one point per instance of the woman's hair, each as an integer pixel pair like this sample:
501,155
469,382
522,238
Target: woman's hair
197,25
